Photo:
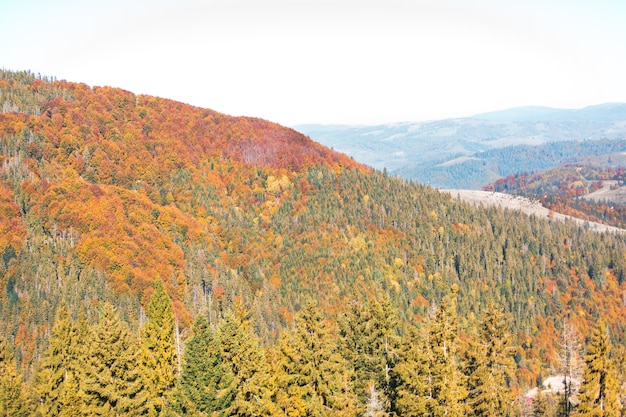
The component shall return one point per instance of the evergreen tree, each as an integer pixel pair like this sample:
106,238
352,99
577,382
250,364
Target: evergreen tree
599,390
244,375
369,345
113,382
13,400
413,374
446,387
159,348
58,390
430,380
312,377
203,374
490,365
544,405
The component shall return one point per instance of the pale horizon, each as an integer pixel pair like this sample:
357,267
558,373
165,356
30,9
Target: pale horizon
330,62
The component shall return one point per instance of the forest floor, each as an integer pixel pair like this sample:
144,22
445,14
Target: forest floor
525,205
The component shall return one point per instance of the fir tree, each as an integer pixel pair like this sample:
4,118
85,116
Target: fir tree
59,391
204,373
413,374
159,348
430,380
446,387
113,382
489,366
244,375
598,395
369,344
13,400
312,376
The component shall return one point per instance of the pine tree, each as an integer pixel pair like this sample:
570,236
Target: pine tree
13,400
59,377
312,378
244,375
599,388
203,374
489,365
369,345
113,382
159,348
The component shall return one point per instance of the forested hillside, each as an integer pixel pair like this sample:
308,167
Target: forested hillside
470,152
310,284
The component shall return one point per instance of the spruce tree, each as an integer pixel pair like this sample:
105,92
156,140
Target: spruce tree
204,374
159,348
413,374
446,385
59,382
114,383
429,377
245,384
369,344
13,400
599,390
489,365
312,377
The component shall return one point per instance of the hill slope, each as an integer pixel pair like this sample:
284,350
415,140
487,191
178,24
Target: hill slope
104,192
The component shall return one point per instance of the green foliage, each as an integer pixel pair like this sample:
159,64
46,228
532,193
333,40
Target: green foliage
159,349
429,373
598,395
369,343
312,378
204,375
245,379
490,366
13,399
114,384
59,380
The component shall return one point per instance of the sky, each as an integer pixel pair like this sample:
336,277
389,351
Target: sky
330,61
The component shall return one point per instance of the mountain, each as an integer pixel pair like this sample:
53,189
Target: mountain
454,153
113,198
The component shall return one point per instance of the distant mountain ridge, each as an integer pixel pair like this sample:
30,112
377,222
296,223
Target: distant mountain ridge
421,151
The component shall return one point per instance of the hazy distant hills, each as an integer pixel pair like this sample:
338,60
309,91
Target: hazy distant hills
470,152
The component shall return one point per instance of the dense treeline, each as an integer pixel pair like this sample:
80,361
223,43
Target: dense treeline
361,365
476,170
103,194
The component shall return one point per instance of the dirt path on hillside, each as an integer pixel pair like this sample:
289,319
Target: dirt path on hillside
522,204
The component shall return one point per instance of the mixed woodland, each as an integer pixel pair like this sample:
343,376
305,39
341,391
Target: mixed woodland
163,259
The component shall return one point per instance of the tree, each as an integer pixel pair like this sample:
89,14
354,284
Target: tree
312,378
598,395
489,365
247,387
544,405
204,373
59,388
113,382
13,400
430,379
368,344
159,348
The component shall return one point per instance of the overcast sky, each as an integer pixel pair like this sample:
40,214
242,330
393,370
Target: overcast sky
330,61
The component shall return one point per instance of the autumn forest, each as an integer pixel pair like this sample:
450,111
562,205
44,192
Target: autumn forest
167,260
